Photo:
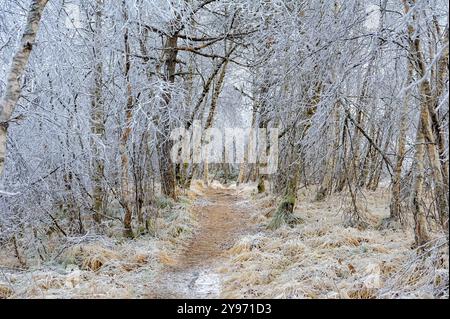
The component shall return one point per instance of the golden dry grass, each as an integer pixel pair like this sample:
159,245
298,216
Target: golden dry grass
105,267
323,259
319,258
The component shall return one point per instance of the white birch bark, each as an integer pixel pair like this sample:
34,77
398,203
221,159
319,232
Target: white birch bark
18,65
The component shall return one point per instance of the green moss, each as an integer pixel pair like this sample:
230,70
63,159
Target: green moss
261,186
128,233
164,202
142,230
284,214
289,199
150,226
184,201
176,231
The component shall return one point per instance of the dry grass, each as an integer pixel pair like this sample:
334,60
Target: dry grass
104,267
319,258
323,259
5,291
425,274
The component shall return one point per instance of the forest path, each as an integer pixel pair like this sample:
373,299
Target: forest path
223,216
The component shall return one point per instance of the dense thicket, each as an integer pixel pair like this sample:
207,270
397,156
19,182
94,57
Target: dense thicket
92,89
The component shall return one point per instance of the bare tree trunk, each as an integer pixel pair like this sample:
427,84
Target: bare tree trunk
213,109
378,163
432,150
140,167
417,194
263,124
287,205
16,72
367,164
344,147
284,213
244,169
356,140
125,184
167,172
436,136
362,101
198,109
98,127
395,205
438,128
206,88
215,97
420,223
327,182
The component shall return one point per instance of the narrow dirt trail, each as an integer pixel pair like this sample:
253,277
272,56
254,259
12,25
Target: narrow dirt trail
223,216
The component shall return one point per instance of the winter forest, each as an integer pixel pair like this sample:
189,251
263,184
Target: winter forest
224,149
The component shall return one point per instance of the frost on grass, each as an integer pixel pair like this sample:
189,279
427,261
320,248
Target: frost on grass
425,274
103,266
323,259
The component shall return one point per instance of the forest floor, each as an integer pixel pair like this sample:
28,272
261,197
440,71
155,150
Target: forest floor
325,257
232,253
222,216
214,243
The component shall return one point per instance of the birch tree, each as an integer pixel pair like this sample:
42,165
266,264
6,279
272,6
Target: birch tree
18,65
